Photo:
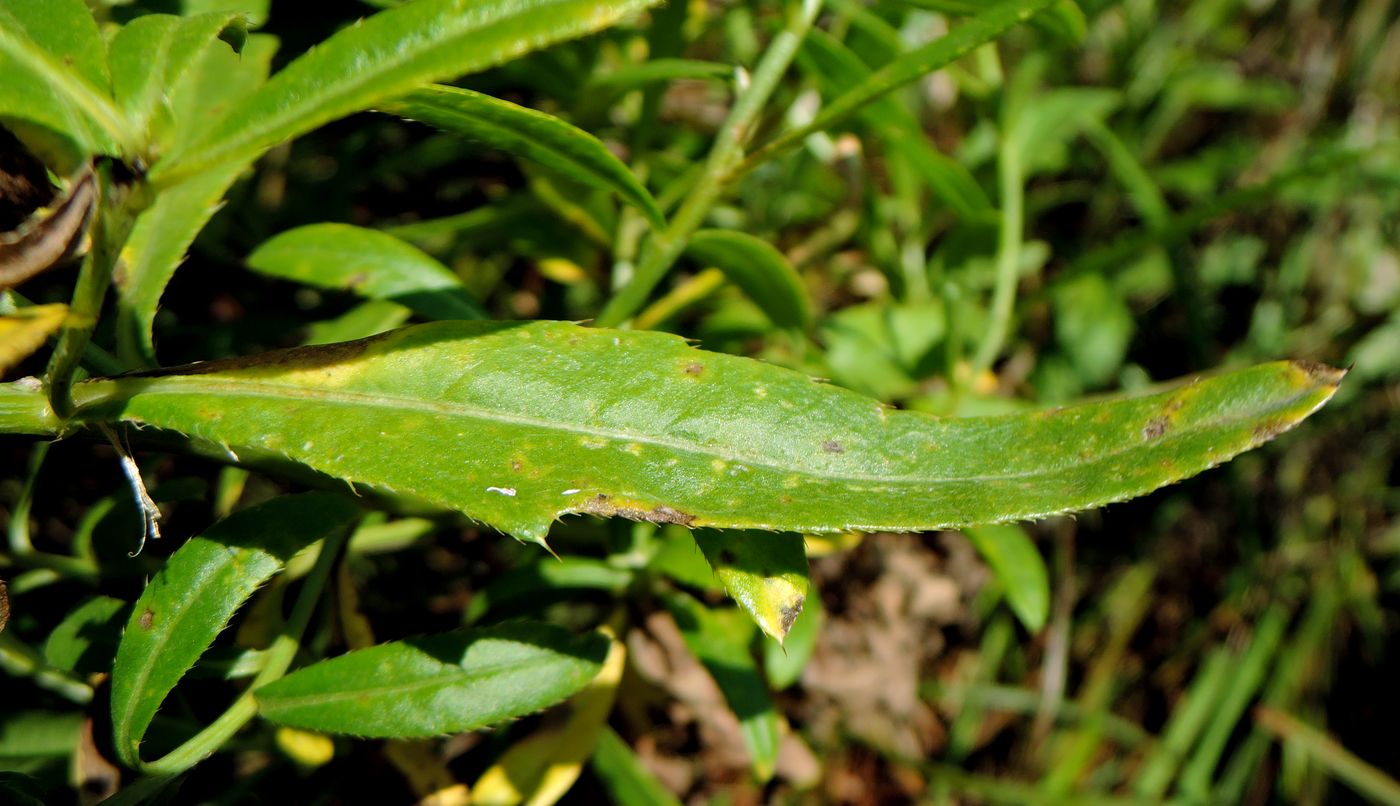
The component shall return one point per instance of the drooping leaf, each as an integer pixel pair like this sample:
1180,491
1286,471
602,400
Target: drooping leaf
369,263
50,239
24,331
446,683
529,134
518,423
543,766
718,638
385,56
766,574
54,64
191,600
1019,568
759,269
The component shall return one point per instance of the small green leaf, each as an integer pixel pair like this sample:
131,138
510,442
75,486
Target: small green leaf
369,263
627,781
720,639
447,683
517,423
86,640
153,55
528,134
765,573
385,56
191,600
54,63
758,268
1019,568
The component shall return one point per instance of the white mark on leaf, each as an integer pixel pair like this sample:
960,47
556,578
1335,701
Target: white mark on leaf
507,491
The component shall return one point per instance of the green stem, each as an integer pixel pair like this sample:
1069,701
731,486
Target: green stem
25,410
112,223
1336,759
277,659
725,156
20,660
1008,262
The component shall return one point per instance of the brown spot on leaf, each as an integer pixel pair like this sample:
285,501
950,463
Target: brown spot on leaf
4,605
694,368
789,613
147,618
1266,431
516,465
356,280
602,506
832,446
1155,428
1320,373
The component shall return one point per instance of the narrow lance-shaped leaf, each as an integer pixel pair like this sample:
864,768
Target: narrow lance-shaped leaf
518,423
384,56
367,262
765,574
447,683
165,230
192,599
758,268
1019,568
960,41
528,134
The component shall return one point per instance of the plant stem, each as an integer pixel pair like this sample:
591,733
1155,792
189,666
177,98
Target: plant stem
112,223
277,659
726,154
1008,262
1339,762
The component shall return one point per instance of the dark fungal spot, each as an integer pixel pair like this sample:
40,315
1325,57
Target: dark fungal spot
832,446
694,368
147,618
789,613
1155,428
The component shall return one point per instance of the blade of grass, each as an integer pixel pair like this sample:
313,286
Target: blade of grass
1343,765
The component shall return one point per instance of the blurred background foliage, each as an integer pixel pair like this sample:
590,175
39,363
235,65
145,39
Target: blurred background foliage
1202,183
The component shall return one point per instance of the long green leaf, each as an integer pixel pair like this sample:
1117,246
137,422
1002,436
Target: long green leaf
446,683
192,599
518,423
385,56
54,66
758,268
529,134
367,262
